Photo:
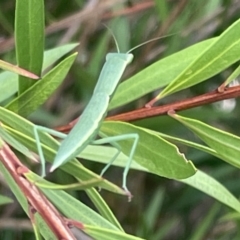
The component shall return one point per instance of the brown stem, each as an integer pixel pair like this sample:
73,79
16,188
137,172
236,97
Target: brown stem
37,201
214,96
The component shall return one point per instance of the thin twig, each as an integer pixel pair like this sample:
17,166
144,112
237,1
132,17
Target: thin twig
142,113
210,97
35,198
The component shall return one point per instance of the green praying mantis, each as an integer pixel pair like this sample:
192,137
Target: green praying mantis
87,128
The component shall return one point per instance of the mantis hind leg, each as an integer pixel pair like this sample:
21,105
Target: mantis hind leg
36,131
112,141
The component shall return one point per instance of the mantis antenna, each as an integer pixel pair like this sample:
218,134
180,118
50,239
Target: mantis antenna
114,38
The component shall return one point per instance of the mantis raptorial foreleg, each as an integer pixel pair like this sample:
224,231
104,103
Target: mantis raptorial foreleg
38,143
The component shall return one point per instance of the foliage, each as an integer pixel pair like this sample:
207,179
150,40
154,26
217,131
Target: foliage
166,205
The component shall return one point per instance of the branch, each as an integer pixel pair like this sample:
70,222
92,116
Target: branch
214,96
37,201
211,97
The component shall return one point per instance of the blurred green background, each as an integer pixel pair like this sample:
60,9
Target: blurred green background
161,208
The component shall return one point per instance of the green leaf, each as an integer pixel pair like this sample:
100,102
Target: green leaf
220,54
5,200
102,207
232,77
36,230
106,234
23,202
15,144
224,143
157,75
9,85
29,38
22,131
66,203
54,54
189,143
75,209
40,182
213,188
103,154
36,95
9,80
152,152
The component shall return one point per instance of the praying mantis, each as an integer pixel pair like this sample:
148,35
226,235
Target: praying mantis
87,128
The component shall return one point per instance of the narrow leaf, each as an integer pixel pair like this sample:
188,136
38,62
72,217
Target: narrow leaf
9,85
189,144
9,80
15,144
75,209
22,131
157,75
22,200
106,234
36,95
224,143
72,207
152,152
36,231
232,77
29,38
54,54
103,208
213,188
103,154
5,200
40,182
222,53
